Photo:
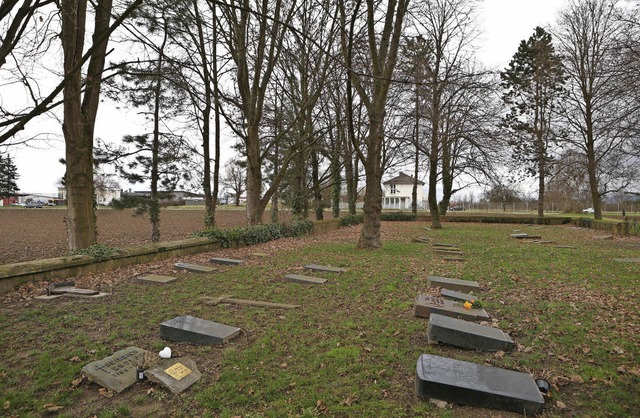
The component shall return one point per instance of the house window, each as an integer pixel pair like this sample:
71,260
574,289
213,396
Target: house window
394,189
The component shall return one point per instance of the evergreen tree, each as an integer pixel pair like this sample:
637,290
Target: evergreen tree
8,177
533,83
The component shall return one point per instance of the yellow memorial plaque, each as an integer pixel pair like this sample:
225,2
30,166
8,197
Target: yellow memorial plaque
178,371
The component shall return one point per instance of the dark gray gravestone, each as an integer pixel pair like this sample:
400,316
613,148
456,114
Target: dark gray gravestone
298,278
467,334
440,244
452,294
453,284
426,305
627,260
228,261
176,374
118,371
473,384
194,267
525,236
329,269
189,329
156,278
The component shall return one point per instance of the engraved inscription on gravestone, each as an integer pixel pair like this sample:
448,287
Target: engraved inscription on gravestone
118,371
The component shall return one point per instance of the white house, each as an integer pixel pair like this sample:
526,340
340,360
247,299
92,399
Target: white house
397,192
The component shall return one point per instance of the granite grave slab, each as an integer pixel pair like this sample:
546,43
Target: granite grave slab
453,284
466,383
452,294
118,371
328,269
426,305
176,374
443,329
299,278
157,278
194,267
443,245
227,261
189,329
525,236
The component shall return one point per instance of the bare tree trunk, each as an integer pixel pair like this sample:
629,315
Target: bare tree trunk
414,191
80,115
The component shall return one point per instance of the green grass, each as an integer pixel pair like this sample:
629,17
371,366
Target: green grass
352,348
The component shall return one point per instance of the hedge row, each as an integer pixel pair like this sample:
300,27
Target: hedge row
257,234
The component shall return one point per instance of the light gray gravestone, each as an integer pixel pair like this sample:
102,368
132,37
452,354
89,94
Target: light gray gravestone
118,371
189,329
227,261
453,284
525,236
452,294
156,278
426,305
473,384
298,278
194,267
176,374
329,269
443,329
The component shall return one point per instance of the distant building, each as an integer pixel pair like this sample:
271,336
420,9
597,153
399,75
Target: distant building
398,193
104,195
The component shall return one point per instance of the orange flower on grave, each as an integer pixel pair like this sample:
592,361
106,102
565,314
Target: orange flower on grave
467,305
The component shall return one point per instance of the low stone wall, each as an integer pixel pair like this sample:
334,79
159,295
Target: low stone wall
615,228
13,275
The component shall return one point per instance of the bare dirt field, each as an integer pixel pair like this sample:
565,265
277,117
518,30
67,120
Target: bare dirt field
32,234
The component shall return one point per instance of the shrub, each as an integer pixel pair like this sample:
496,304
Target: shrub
350,220
397,216
98,252
256,234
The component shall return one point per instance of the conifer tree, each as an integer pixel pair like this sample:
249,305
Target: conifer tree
8,177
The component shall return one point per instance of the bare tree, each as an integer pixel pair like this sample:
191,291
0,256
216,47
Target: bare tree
598,107
373,89
234,179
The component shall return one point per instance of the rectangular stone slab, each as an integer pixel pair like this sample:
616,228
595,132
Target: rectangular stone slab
194,267
187,374
467,334
298,278
118,371
426,305
443,245
156,278
227,261
447,251
315,267
477,385
189,329
453,284
525,236
72,290
452,294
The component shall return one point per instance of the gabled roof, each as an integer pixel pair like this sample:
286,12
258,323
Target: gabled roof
403,179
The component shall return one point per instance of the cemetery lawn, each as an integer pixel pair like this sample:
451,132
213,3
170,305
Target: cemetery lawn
351,349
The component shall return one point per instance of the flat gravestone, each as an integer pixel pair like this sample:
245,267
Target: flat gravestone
447,251
525,236
176,374
194,267
227,261
452,294
459,333
156,278
473,384
603,237
426,305
329,269
453,284
298,278
189,329
440,244
627,260
118,371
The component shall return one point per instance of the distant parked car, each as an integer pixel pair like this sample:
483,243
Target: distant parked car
33,204
456,208
588,210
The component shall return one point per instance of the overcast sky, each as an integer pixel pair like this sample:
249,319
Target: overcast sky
504,23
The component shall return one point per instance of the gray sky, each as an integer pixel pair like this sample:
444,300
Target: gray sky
504,23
